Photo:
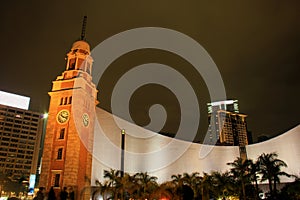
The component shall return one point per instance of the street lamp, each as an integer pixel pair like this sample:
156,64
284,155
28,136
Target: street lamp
34,180
122,151
45,115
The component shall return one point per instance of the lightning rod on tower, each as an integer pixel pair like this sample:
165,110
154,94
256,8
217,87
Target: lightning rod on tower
83,28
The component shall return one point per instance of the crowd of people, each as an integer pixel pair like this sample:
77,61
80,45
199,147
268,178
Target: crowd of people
64,194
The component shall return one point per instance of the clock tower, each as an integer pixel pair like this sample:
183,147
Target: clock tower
67,155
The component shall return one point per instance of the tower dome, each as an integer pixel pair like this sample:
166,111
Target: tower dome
81,45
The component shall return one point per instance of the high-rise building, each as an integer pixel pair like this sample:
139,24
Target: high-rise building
14,100
226,125
20,134
67,159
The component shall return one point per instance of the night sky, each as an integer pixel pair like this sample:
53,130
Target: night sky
256,47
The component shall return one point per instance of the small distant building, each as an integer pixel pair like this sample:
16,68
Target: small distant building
262,138
249,137
20,135
226,125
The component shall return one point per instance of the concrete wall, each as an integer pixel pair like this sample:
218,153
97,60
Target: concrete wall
162,156
286,145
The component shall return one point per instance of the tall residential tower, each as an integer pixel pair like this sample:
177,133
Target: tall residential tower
20,135
226,125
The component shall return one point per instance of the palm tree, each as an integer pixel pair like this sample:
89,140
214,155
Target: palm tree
270,168
177,179
166,190
241,173
193,180
206,186
291,190
130,187
223,185
102,190
114,181
147,184
254,170
277,173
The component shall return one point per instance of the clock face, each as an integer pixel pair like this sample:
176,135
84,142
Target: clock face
62,116
85,119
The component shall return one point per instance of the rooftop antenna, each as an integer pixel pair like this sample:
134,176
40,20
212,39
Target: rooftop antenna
83,28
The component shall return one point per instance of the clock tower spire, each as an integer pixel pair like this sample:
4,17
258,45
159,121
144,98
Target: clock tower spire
67,158
83,28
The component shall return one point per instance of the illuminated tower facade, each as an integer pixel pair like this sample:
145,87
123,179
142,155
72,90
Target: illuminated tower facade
227,125
20,135
67,158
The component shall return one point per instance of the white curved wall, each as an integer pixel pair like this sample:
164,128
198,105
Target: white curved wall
287,146
162,156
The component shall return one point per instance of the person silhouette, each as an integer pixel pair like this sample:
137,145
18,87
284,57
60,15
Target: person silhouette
40,194
51,194
71,194
63,194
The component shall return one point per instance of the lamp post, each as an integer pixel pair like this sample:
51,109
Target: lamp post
122,151
35,181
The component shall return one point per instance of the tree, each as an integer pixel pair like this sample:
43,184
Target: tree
241,173
177,179
7,183
206,186
113,182
103,190
147,184
291,191
254,170
194,181
4,179
270,168
223,184
166,190
129,186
